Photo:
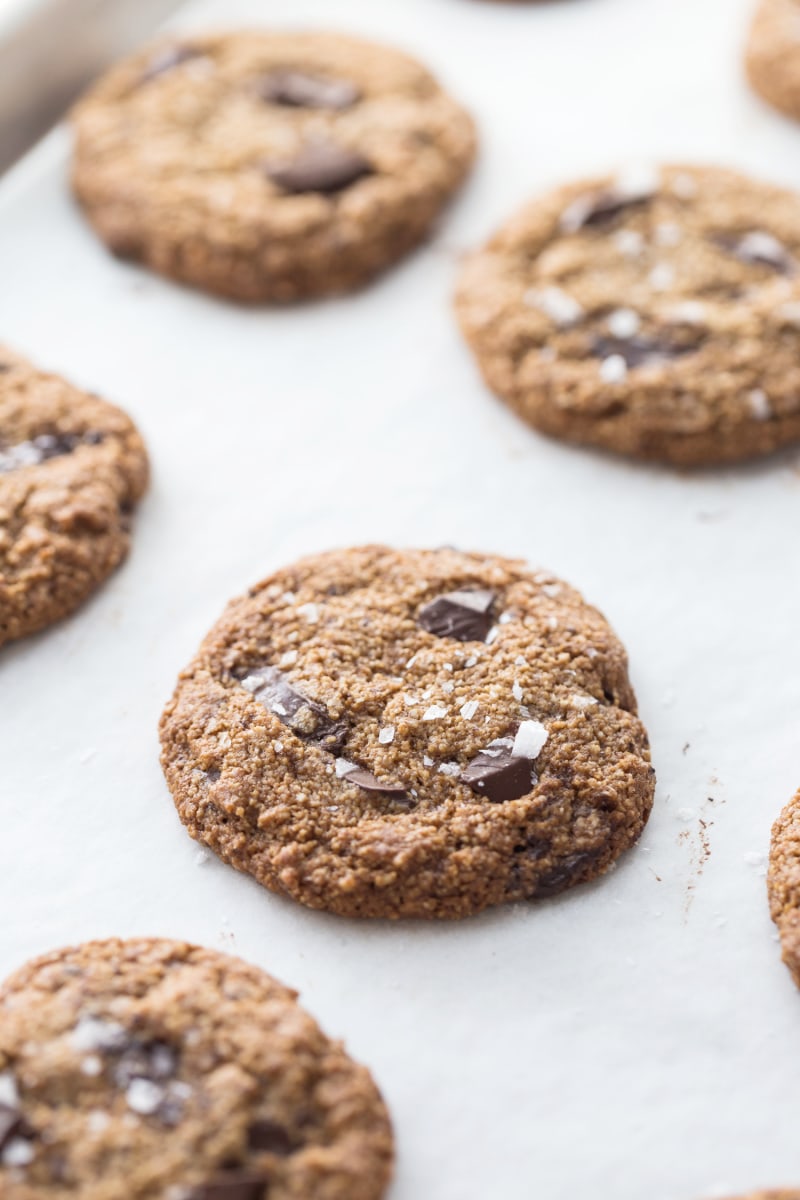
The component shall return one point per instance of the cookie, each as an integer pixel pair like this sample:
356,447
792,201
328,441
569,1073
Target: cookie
773,54
71,469
655,314
156,1070
268,166
773,1195
783,883
414,733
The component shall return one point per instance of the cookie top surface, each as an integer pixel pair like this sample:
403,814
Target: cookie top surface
71,469
156,1070
773,54
268,166
655,313
410,733
784,883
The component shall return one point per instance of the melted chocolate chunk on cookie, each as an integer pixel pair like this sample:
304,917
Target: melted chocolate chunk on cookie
234,1185
42,448
298,89
465,616
155,1061
599,209
319,166
353,773
565,874
759,248
167,60
497,774
504,769
641,351
306,718
12,1125
264,1134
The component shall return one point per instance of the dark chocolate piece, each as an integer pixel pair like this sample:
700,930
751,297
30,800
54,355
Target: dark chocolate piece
598,210
154,1060
759,248
319,166
166,60
42,448
465,615
497,774
565,874
12,1123
639,351
269,1135
234,1185
369,782
297,89
308,719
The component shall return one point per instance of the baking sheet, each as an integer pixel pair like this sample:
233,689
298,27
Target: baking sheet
634,1038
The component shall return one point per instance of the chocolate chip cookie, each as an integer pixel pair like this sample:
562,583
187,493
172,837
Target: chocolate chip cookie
655,313
268,166
784,883
156,1070
71,469
773,54
780,1194
420,733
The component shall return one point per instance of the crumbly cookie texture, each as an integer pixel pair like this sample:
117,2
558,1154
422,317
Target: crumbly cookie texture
783,883
268,166
156,1070
388,733
773,54
71,469
655,313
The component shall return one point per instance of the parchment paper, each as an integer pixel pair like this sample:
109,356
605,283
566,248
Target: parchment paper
635,1038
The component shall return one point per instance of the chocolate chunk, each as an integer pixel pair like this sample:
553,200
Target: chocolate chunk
167,60
42,448
465,616
4,366
639,351
565,874
497,774
233,1185
296,89
308,719
154,1060
264,1134
761,249
319,167
598,210
12,1124
352,773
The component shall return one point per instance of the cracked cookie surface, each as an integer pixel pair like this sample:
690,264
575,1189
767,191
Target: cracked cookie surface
268,167
783,882
655,313
157,1070
71,469
410,733
773,54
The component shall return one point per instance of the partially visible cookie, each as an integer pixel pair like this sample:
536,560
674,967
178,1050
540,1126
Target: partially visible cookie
71,469
774,1195
773,54
156,1070
268,166
783,883
655,313
387,733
